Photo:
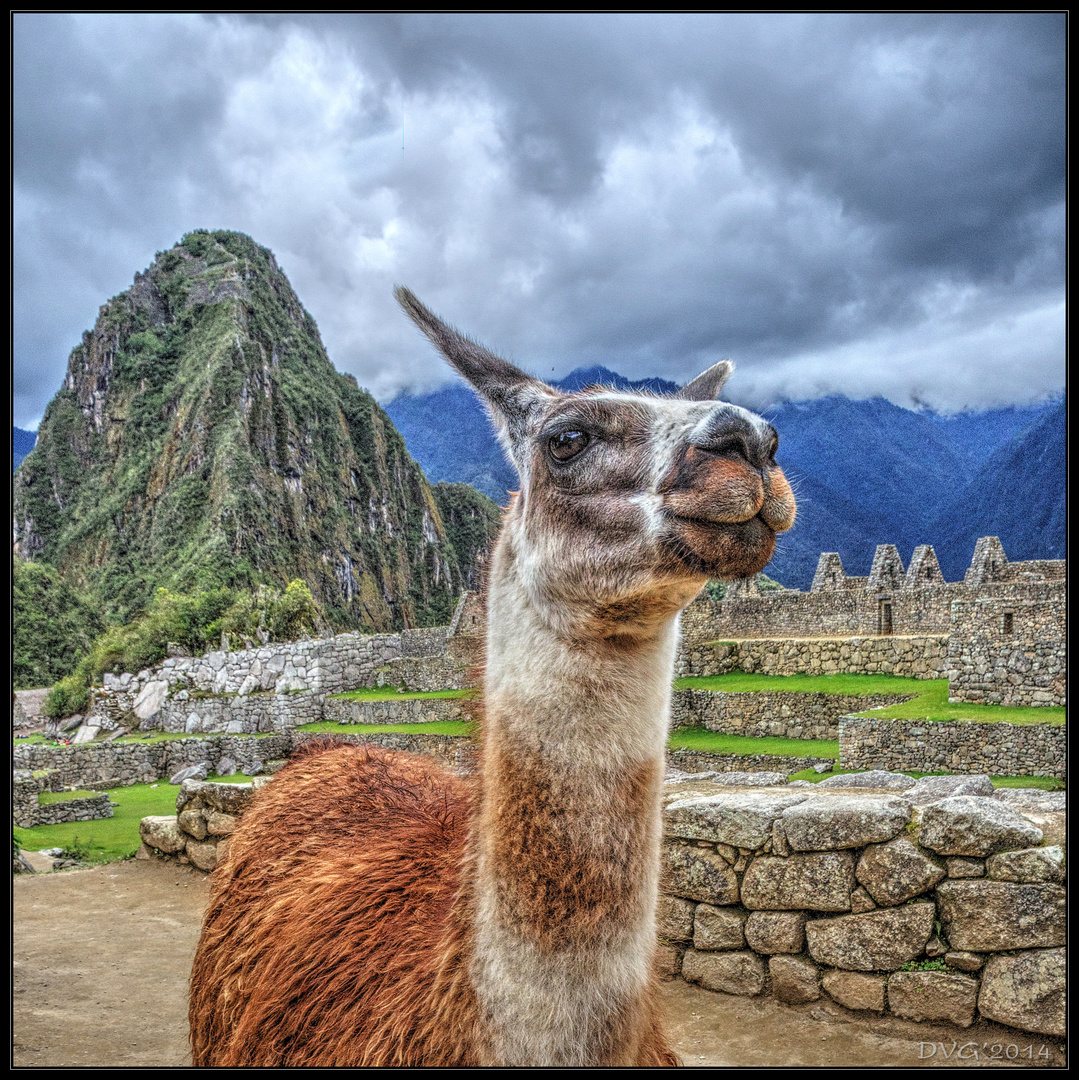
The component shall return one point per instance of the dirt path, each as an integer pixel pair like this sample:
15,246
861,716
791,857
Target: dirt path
102,956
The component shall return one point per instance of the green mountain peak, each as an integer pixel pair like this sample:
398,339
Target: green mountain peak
202,437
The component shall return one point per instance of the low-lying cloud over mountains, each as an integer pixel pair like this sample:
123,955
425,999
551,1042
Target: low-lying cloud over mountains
864,204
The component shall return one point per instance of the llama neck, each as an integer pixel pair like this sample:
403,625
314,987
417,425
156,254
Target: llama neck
567,839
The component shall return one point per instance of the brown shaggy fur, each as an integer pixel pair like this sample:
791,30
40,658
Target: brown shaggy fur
338,931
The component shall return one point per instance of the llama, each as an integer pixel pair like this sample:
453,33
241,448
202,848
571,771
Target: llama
375,909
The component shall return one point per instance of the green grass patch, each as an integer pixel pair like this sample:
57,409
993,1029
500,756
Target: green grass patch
46,798
117,837
435,727
929,697
739,682
389,693
713,742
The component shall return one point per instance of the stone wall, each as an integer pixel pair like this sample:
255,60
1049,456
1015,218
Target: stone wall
1008,649
327,665
808,894
406,711
1003,624
827,891
770,713
697,761
425,673
920,656
962,746
28,811
206,816
274,686
117,764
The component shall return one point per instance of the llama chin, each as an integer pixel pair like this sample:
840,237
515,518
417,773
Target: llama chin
375,909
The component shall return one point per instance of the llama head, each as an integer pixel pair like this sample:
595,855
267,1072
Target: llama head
628,501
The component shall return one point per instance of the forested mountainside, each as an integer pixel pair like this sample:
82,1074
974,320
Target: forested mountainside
864,472
202,438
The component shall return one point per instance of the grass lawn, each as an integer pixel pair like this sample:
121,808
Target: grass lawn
110,838
929,697
47,798
389,693
713,742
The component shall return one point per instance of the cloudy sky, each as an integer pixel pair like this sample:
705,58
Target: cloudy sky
856,204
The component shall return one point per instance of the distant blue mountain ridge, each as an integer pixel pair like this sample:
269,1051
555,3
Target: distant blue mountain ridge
22,442
865,472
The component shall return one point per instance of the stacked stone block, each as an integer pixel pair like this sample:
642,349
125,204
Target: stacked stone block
1002,627
810,894
960,746
28,811
771,713
918,656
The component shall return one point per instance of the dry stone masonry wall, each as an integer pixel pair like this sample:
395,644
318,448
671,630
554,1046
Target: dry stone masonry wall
956,746
28,811
919,901
916,656
933,900
768,713
998,636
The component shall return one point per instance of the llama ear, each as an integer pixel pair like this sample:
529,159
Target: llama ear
510,394
707,385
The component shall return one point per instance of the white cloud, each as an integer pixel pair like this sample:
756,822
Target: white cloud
869,205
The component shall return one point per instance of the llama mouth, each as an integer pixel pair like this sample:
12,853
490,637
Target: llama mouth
722,549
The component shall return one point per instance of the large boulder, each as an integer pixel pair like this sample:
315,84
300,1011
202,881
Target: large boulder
150,699
193,822
1041,802
739,973
853,990
743,820
203,854
794,979
772,932
897,871
844,821
994,916
698,874
880,940
816,881
1026,991
228,798
674,917
875,778
933,995
970,825
1033,864
719,928
191,772
162,833
931,789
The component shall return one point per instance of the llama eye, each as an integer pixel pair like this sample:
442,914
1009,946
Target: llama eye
567,445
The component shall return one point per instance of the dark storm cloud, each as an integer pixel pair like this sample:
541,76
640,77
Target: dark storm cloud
864,204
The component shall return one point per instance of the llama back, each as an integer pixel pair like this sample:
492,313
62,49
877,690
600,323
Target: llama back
336,934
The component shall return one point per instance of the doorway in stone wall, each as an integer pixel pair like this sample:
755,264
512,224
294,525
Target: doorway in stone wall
884,617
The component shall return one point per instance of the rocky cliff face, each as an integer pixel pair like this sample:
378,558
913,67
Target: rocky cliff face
202,437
